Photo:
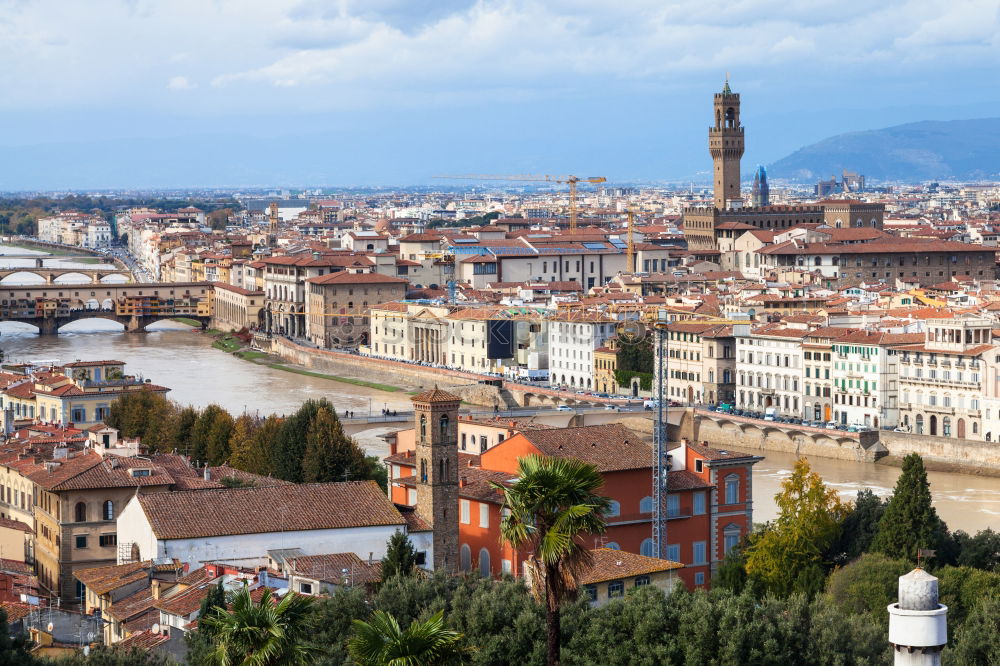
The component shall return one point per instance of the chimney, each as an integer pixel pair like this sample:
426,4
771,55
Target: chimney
154,588
918,624
207,473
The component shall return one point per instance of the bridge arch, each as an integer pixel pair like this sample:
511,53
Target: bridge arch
17,277
72,277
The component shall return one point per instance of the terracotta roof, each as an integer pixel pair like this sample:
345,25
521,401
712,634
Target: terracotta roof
102,580
607,564
114,472
16,611
330,568
344,277
203,513
435,395
12,524
709,453
142,640
611,447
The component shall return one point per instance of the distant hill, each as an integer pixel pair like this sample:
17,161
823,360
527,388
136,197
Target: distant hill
926,150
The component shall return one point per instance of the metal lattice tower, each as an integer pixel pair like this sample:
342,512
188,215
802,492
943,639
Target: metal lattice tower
661,462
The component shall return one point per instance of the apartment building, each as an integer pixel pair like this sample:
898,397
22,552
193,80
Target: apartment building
573,339
701,361
769,369
351,295
942,383
865,377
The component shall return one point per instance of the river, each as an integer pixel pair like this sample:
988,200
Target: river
176,356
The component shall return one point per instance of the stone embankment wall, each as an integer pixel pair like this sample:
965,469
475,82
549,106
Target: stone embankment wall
392,373
963,454
752,434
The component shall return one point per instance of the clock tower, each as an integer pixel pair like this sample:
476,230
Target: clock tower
725,143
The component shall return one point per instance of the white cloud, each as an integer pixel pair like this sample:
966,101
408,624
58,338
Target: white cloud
179,83
332,53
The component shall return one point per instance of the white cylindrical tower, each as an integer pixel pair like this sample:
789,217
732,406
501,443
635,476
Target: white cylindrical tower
918,624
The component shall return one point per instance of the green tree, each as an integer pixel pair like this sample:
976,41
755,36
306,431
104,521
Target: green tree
242,441
331,455
200,432
867,585
787,555
146,415
381,642
553,502
400,557
264,633
112,655
14,650
200,642
974,643
289,447
186,418
858,529
732,573
332,616
218,219
981,551
961,588
910,521
219,434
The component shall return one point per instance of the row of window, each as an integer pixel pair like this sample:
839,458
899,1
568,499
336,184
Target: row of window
104,540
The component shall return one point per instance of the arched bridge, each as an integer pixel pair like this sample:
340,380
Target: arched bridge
51,275
135,305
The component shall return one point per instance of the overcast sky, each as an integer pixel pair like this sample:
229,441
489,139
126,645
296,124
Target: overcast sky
409,88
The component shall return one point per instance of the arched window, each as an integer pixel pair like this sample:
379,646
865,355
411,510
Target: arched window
109,510
920,424
484,563
614,509
946,426
81,512
613,545
732,489
444,425
646,548
423,426
465,557
646,505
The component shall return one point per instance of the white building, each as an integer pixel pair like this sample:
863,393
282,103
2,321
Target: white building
573,337
240,525
865,375
769,370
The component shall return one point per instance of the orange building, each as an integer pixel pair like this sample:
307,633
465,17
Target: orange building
709,505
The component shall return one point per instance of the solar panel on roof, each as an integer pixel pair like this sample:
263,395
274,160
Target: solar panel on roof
595,246
618,243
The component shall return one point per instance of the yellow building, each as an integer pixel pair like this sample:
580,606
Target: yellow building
605,365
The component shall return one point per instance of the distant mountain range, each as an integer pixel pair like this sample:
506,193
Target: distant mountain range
926,150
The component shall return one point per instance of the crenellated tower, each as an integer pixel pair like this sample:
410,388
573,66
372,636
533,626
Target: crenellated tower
725,143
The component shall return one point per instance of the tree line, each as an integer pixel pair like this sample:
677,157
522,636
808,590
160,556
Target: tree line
307,446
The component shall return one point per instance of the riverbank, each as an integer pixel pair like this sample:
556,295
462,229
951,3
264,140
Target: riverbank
234,346
52,250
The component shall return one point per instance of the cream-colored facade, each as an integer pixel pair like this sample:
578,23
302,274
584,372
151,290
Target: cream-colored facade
235,308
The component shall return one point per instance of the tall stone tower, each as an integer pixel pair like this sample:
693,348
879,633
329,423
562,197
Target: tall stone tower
435,413
725,143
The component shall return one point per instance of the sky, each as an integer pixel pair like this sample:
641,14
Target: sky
171,93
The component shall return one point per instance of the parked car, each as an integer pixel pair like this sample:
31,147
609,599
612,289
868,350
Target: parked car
831,425
612,408
564,408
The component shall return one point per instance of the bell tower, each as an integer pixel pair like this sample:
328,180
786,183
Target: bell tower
725,143
435,413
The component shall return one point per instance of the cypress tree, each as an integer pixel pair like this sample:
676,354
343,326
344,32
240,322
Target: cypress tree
200,432
331,455
217,445
290,446
186,418
400,557
910,521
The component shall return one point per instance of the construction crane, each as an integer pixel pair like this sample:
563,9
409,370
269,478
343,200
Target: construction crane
569,180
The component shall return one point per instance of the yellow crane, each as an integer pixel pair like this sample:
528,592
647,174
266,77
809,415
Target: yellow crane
569,180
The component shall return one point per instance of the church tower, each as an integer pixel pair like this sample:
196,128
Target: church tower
725,143
435,413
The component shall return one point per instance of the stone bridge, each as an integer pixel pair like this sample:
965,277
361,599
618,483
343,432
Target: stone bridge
724,430
50,275
135,305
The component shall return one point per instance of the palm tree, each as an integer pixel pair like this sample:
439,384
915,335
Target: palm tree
381,642
263,633
553,502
